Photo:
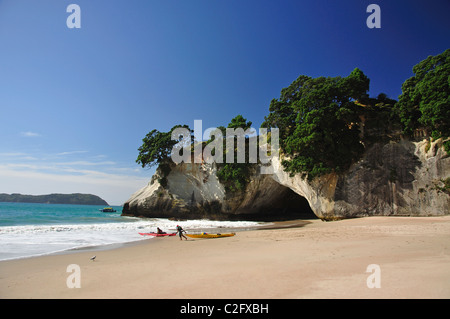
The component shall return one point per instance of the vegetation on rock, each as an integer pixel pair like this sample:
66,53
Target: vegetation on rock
326,123
425,99
235,176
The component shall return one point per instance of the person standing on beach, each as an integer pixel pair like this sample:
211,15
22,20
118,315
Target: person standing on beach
180,232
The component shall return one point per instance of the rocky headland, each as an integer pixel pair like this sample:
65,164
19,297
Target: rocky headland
400,177
342,154
76,199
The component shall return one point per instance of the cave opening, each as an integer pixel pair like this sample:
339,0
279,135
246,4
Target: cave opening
297,206
287,205
292,206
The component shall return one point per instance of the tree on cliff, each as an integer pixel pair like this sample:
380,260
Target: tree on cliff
425,98
239,122
318,122
157,146
156,150
235,176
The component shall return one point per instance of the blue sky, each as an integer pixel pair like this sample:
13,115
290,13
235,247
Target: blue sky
76,103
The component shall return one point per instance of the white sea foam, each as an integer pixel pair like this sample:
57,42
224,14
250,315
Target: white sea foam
33,240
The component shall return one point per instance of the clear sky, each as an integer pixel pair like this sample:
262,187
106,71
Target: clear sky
76,103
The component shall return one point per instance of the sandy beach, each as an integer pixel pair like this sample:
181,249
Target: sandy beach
411,258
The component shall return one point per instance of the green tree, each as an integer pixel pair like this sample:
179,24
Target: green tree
380,118
239,121
425,98
156,149
282,111
318,121
235,176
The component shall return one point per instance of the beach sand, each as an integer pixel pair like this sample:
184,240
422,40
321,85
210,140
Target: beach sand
318,260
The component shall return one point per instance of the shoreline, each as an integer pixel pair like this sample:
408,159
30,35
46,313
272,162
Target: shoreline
297,259
114,245
105,247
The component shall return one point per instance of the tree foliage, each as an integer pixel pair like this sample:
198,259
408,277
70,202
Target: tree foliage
239,122
425,98
235,176
318,122
156,147
156,150
321,121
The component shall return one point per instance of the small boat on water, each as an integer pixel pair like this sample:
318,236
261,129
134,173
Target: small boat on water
108,210
206,235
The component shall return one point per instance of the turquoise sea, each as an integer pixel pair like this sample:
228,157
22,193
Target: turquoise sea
19,214
38,229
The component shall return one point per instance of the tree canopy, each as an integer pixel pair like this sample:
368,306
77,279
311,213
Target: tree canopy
425,98
318,122
321,121
156,150
236,175
156,147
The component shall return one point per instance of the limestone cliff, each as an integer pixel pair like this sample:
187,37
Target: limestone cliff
400,177
194,191
395,178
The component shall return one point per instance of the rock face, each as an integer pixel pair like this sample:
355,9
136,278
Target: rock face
402,178
194,191
396,178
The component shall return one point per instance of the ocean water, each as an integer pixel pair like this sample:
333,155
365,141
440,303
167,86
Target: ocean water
38,229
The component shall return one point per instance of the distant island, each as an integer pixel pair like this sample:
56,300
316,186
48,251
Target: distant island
76,199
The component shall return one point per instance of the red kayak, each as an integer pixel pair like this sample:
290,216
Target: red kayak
156,234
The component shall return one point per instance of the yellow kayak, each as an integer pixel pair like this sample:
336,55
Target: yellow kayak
206,235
